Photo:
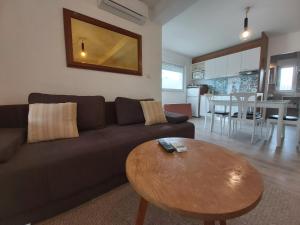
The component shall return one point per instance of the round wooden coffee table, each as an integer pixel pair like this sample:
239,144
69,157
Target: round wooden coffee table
208,181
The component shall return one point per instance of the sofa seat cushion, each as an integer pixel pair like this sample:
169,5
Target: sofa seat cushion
10,141
90,109
47,172
124,138
53,170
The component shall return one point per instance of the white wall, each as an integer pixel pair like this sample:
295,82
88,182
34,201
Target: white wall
172,97
282,44
287,43
32,54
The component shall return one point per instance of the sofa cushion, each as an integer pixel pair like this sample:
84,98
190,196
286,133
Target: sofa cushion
176,117
10,141
90,109
45,172
129,111
153,112
49,173
52,121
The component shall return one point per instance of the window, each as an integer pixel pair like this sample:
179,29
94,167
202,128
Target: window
286,78
172,77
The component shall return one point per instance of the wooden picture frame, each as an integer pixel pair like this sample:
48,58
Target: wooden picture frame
106,52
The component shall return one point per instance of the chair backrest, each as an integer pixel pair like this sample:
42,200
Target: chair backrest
243,101
217,108
208,105
260,96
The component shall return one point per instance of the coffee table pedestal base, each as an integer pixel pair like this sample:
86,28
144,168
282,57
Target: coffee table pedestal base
142,212
143,209
222,222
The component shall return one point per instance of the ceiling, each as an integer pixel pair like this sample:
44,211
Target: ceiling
210,25
151,3
162,11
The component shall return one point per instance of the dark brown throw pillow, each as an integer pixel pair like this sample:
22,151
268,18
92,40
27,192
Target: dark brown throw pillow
10,141
129,111
90,109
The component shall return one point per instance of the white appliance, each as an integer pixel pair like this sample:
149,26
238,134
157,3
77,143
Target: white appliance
193,97
133,10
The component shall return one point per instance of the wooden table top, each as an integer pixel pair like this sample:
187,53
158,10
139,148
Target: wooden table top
208,181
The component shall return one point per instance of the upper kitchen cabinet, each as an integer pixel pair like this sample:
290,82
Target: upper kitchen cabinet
250,59
215,68
210,69
221,66
234,64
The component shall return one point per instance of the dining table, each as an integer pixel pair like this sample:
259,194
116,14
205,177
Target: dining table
281,105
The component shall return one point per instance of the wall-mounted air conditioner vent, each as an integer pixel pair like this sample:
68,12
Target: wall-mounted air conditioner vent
133,10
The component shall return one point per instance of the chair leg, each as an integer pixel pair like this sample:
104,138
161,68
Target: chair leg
283,131
234,126
253,133
298,136
267,131
224,125
230,127
221,123
272,131
205,120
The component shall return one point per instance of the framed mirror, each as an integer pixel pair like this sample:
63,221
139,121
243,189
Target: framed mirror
96,45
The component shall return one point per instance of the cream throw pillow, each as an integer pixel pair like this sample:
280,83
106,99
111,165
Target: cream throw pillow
153,112
52,121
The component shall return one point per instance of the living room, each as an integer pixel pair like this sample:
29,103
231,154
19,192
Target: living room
131,112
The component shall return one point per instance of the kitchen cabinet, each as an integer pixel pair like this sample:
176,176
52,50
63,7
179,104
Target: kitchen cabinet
234,64
221,67
215,68
210,69
250,59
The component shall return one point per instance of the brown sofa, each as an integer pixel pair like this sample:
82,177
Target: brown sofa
40,180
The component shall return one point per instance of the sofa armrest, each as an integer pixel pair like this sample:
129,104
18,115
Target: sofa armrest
175,117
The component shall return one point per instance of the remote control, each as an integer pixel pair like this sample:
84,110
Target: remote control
166,146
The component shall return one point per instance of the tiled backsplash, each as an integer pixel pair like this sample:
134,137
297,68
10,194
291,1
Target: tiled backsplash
227,85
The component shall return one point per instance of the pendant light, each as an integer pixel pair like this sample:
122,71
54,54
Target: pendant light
245,35
83,52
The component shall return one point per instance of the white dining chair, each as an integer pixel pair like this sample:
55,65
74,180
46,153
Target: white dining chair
246,113
287,121
222,115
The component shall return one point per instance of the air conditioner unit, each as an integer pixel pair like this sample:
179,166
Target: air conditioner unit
133,10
